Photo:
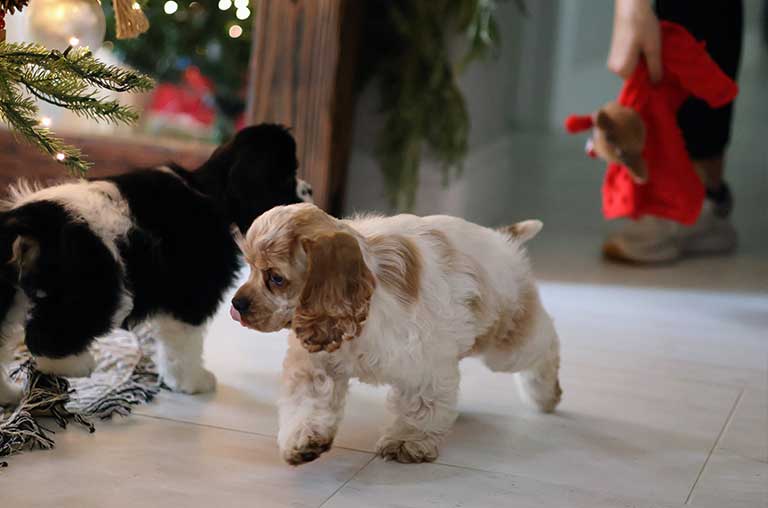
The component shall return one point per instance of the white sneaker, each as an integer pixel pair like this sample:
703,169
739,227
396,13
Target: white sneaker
712,233
655,240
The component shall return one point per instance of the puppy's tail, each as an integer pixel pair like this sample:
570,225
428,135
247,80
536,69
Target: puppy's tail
523,231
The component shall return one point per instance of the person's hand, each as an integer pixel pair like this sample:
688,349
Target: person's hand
636,32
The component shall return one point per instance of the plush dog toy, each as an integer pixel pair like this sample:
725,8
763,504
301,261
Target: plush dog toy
649,169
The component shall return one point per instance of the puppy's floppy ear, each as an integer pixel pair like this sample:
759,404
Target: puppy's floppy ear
334,303
25,252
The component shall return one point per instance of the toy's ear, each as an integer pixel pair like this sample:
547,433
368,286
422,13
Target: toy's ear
604,121
636,167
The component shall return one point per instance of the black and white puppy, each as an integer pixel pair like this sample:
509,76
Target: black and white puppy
80,259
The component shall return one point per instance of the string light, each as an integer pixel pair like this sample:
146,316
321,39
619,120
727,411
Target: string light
45,121
136,6
235,31
241,4
170,7
243,13
225,4
60,157
74,41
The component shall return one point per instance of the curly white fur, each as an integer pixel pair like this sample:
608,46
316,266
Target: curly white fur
476,296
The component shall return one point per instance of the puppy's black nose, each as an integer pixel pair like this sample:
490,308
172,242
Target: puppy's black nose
240,304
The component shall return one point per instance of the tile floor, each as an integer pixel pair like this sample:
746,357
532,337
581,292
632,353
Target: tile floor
658,411
665,373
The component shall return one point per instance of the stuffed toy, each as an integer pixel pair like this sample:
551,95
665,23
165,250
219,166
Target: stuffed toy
649,170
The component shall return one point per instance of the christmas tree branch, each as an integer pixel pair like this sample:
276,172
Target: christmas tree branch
424,108
21,114
65,79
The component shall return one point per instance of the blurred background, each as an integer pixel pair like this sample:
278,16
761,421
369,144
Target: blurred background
456,109
437,107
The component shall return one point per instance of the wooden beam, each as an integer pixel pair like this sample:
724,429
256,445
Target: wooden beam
301,75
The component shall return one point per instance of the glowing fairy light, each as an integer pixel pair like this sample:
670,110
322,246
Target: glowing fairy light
74,41
46,121
170,7
60,157
225,4
243,13
235,31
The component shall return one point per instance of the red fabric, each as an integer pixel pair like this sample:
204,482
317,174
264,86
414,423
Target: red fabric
673,190
191,98
578,123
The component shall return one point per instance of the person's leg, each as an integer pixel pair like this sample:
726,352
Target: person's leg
706,130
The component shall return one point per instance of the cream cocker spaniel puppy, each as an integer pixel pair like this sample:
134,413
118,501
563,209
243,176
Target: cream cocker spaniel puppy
397,301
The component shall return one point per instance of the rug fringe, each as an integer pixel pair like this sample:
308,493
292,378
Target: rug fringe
141,388
52,396
45,395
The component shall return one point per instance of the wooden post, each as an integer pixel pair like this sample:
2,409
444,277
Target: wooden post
301,75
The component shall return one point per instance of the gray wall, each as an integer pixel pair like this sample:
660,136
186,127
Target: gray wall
552,63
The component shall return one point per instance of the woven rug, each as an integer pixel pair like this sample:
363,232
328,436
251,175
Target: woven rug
125,376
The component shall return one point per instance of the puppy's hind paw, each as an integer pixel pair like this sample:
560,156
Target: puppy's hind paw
407,452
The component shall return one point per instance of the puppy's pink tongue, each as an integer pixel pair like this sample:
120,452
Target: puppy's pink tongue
235,315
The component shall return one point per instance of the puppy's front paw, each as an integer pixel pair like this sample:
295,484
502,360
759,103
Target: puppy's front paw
80,365
304,446
407,451
191,381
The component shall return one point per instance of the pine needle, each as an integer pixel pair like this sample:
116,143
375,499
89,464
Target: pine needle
424,109
68,79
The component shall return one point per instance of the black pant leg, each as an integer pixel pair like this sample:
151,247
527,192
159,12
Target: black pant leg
720,24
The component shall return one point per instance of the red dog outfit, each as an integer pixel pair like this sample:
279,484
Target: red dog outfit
673,190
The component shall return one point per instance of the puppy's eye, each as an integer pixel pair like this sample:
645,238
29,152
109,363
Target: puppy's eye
275,279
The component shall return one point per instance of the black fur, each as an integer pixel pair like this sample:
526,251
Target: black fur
179,256
73,286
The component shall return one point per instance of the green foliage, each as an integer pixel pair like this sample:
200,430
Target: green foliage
66,79
406,48
196,34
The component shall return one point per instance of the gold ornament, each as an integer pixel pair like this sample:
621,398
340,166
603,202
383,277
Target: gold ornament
57,23
130,21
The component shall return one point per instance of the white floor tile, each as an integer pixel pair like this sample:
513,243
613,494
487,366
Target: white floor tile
733,482
389,485
736,474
